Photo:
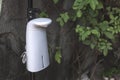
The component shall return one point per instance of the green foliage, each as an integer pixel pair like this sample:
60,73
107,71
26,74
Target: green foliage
114,15
43,14
93,28
93,38
111,72
58,56
103,46
79,13
99,35
80,5
64,17
55,1
93,3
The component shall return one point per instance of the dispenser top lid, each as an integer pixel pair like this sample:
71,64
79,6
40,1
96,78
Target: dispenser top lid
43,22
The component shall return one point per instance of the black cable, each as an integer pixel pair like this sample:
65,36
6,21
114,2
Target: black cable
30,3
32,76
30,16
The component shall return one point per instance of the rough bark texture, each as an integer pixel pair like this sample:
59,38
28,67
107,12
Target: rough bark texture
12,35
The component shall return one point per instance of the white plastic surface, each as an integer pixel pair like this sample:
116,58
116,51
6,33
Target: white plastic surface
36,44
0,6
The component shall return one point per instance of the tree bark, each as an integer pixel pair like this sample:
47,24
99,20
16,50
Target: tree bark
12,36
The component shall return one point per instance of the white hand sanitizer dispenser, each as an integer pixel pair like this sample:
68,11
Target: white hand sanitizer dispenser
36,44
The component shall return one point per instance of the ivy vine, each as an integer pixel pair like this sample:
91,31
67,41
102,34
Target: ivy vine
92,26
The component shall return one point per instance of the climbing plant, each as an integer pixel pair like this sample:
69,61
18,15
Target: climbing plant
96,24
92,26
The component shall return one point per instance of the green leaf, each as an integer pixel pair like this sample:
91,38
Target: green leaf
102,47
100,5
110,29
92,46
93,3
104,25
58,56
109,35
85,35
111,16
105,51
55,1
109,46
79,13
78,29
65,16
43,14
95,32
78,4
60,21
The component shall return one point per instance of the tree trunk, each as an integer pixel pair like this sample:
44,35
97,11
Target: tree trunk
12,40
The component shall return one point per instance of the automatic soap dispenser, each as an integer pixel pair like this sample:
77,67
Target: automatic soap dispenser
36,44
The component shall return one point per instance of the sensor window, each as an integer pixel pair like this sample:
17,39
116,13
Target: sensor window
0,6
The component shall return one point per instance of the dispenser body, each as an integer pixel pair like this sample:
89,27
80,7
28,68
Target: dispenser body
36,48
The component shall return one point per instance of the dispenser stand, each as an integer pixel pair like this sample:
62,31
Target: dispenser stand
32,76
31,15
